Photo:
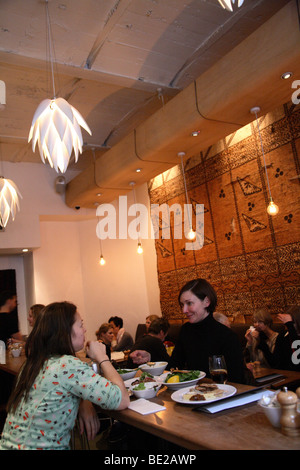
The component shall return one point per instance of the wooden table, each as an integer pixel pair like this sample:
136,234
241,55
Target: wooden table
242,428
13,364
290,379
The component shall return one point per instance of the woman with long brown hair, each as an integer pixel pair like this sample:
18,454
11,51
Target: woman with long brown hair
44,404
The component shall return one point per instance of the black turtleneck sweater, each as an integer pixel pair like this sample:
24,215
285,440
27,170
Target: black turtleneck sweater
198,341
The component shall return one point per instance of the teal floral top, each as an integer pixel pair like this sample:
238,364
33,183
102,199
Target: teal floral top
45,420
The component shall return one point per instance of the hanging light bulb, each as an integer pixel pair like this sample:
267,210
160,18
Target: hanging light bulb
56,125
139,247
191,235
227,4
102,261
272,208
9,200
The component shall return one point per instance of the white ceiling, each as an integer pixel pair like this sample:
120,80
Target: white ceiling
117,61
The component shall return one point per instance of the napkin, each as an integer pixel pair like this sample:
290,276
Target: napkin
145,407
234,401
117,355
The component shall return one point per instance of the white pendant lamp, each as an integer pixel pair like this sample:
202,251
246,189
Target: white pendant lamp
272,208
9,200
56,125
227,4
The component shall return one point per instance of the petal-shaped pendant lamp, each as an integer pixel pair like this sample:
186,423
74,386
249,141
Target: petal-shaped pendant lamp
56,125
56,129
227,4
9,200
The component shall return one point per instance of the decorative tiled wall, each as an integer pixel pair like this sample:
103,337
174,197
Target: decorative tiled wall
251,259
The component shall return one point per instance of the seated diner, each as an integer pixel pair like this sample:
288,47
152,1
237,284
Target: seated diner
202,336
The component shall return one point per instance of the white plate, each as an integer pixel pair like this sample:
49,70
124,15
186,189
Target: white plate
178,395
179,385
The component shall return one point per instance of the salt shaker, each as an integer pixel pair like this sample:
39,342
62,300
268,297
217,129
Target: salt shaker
290,419
2,353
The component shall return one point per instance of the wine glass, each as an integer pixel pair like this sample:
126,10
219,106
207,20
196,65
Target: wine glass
218,369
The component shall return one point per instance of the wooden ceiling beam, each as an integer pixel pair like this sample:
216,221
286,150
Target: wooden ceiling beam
217,104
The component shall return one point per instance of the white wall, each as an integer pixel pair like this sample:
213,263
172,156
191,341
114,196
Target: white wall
67,267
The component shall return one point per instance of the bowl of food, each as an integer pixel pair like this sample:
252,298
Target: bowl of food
144,386
271,408
181,378
145,389
154,368
127,373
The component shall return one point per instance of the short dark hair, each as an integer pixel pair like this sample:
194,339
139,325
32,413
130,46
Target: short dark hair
5,295
201,289
118,321
158,325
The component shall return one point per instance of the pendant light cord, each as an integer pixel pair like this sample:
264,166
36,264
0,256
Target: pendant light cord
185,188
50,42
263,154
134,199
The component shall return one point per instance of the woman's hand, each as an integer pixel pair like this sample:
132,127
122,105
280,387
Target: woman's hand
250,334
140,357
284,317
88,419
96,351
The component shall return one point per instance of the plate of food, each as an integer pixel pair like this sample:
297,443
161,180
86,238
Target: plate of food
203,393
178,379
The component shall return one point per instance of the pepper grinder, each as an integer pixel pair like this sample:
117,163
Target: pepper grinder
290,418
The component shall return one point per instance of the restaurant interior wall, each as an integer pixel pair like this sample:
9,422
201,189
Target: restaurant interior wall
250,258
67,267
63,261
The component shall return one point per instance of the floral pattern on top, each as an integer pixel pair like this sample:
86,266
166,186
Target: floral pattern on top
46,418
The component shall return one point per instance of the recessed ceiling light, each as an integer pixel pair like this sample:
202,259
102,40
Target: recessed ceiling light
195,133
99,194
25,250
138,170
286,75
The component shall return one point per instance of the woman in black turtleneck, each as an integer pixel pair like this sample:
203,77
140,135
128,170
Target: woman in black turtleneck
202,336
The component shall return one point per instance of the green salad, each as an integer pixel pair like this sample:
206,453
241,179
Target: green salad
184,376
124,371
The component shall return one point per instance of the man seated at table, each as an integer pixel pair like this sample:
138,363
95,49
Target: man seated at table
123,340
9,324
152,342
